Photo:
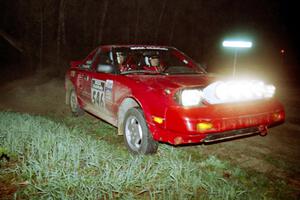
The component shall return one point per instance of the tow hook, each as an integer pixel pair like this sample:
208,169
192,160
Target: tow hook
263,130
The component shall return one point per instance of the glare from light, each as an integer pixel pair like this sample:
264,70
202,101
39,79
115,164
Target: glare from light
246,93
221,89
237,91
257,88
191,97
237,44
234,90
269,91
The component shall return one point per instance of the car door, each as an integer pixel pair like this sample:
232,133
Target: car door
83,81
101,87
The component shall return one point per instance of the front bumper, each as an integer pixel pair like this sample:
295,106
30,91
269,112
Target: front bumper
229,121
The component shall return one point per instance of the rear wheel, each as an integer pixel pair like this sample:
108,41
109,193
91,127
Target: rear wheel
137,137
74,106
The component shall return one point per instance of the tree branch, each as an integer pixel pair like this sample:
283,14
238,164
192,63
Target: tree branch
13,42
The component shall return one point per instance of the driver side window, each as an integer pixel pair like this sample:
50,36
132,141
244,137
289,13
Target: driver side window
103,58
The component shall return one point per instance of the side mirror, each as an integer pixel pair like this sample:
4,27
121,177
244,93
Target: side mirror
75,63
105,68
87,64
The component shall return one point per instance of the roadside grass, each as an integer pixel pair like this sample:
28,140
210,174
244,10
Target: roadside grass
74,159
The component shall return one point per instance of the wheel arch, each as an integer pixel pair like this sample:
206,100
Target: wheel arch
68,87
126,104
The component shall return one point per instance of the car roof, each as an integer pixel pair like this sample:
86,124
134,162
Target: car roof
132,45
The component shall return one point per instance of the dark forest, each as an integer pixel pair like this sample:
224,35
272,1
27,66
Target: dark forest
49,34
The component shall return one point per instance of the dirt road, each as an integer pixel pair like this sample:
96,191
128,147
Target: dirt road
277,155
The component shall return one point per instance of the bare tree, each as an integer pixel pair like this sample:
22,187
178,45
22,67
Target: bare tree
102,22
173,27
162,11
13,42
128,27
60,30
137,22
85,20
42,7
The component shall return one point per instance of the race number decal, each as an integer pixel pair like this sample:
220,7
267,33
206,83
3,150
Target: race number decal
101,92
98,89
108,90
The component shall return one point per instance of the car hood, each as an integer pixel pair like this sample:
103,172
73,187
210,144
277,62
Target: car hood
173,81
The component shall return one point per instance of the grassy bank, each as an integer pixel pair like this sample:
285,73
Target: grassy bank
71,160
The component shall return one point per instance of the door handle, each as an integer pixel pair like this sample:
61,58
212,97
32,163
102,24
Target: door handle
86,77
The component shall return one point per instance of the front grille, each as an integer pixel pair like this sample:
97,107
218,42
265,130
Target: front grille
243,121
231,134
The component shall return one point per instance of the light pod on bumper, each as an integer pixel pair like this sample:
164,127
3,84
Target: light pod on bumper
204,126
237,91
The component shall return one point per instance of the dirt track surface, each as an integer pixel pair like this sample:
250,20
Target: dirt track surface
34,95
277,155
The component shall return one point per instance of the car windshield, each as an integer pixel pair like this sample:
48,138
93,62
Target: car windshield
154,60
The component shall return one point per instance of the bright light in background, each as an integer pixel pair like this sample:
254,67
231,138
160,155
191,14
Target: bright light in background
237,44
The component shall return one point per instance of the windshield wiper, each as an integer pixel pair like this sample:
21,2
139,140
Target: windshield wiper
140,72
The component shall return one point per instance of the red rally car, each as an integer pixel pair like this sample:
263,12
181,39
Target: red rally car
158,94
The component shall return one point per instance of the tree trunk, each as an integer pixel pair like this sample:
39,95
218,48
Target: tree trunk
85,19
63,30
41,35
159,20
60,30
137,22
128,27
172,28
103,17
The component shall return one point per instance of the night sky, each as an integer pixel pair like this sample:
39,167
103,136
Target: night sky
52,33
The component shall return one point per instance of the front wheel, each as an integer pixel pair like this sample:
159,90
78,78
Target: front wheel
137,137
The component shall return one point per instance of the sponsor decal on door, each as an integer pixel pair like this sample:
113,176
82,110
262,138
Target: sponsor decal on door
101,92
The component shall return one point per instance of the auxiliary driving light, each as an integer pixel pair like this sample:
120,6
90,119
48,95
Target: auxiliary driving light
204,126
277,116
158,120
237,91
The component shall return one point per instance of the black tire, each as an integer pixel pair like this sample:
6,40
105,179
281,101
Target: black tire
137,136
74,106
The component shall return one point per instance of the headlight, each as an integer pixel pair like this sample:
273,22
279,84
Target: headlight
190,97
